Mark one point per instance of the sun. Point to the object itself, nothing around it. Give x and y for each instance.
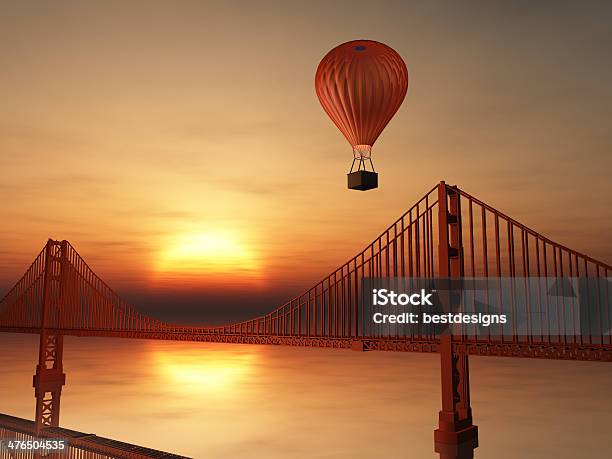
(208, 252)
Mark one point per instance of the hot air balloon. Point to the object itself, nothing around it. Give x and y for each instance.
(361, 85)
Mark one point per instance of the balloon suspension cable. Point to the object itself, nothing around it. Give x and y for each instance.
(362, 155)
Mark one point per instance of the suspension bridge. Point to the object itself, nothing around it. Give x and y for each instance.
(447, 234)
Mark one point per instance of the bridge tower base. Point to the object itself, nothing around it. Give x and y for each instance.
(48, 382)
(456, 436)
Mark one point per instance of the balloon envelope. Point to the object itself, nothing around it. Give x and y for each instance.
(361, 85)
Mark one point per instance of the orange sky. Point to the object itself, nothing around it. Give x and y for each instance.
(180, 144)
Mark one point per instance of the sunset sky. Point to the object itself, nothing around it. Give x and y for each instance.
(180, 146)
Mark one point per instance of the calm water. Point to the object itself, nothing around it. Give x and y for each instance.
(228, 401)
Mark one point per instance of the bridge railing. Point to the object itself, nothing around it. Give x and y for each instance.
(80, 299)
(496, 245)
(492, 245)
(22, 305)
(76, 445)
(330, 309)
(72, 294)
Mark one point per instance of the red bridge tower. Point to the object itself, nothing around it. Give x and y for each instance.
(456, 436)
(50, 377)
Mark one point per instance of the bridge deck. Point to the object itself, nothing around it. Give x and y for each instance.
(81, 445)
(553, 347)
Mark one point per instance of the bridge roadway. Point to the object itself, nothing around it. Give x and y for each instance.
(553, 347)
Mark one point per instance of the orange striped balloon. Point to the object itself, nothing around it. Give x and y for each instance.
(361, 85)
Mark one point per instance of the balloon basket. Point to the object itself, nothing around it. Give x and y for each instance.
(362, 180)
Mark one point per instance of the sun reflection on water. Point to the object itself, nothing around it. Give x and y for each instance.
(194, 369)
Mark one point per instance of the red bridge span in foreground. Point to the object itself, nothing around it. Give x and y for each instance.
(446, 234)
